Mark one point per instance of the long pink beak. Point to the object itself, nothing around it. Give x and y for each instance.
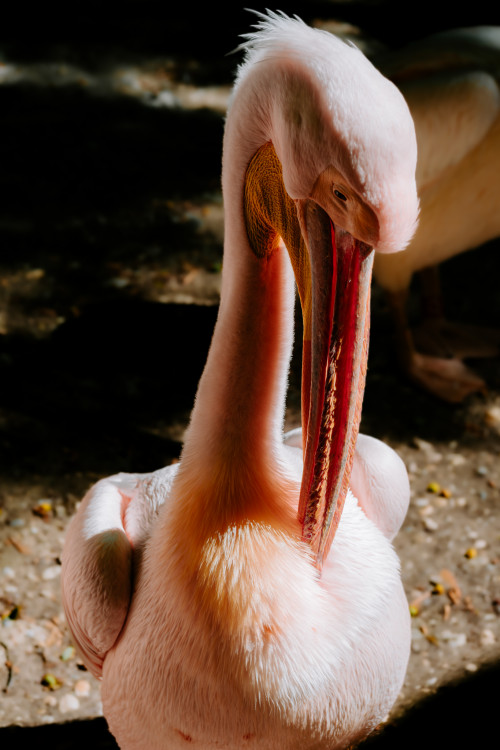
(333, 373)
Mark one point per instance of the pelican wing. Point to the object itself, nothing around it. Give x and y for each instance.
(379, 481)
(452, 114)
(450, 81)
(114, 522)
(96, 572)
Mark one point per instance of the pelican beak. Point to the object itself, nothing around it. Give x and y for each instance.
(335, 292)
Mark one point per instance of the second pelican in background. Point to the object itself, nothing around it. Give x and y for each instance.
(451, 83)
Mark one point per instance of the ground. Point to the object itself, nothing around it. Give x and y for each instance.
(111, 232)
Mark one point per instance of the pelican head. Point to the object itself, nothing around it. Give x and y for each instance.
(335, 180)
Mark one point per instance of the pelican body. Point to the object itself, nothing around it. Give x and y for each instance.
(249, 596)
(451, 82)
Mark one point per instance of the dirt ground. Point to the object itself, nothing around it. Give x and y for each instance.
(111, 230)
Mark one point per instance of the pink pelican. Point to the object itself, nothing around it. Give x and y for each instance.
(206, 594)
(451, 83)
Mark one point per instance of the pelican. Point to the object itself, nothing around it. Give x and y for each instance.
(208, 595)
(451, 83)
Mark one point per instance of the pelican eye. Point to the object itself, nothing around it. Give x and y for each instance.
(340, 195)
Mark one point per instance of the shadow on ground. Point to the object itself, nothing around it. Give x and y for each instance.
(460, 715)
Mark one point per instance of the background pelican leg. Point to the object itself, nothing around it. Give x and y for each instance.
(446, 376)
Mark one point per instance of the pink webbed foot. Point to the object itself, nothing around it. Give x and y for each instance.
(448, 379)
(431, 355)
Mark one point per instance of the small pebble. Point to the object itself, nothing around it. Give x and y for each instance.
(82, 688)
(434, 487)
(422, 502)
(69, 703)
(487, 637)
(492, 415)
(428, 449)
(430, 524)
(16, 523)
(438, 589)
(471, 667)
(51, 681)
(481, 471)
(456, 640)
(48, 594)
(68, 653)
(50, 573)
